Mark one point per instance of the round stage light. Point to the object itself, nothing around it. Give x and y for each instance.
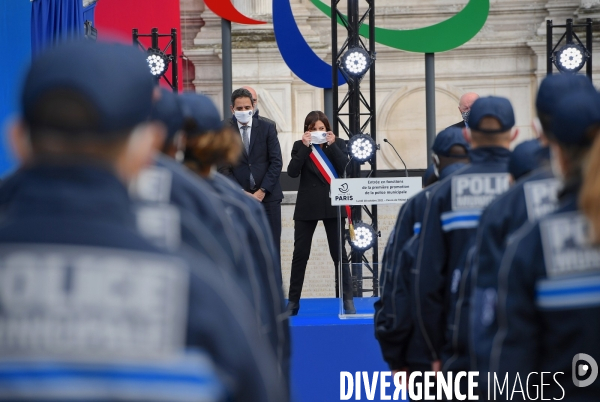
(570, 58)
(362, 147)
(356, 61)
(364, 237)
(158, 62)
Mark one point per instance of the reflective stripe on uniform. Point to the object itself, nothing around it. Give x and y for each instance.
(417, 228)
(467, 219)
(189, 378)
(568, 293)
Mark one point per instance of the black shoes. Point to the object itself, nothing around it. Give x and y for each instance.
(349, 307)
(293, 307)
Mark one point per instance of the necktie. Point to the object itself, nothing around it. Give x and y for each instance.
(246, 142)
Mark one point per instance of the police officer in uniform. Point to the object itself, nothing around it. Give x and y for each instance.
(401, 342)
(174, 206)
(210, 144)
(548, 297)
(450, 221)
(90, 310)
(534, 196)
(524, 159)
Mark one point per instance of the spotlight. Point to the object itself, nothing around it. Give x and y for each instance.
(158, 62)
(356, 62)
(362, 147)
(364, 237)
(160, 58)
(570, 58)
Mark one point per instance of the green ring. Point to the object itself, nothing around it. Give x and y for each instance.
(446, 35)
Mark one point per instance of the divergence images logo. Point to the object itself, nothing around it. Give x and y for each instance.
(584, 365)
(344, 188)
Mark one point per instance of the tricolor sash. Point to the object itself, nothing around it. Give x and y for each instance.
(328, 171)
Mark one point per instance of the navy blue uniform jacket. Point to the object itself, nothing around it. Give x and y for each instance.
(449, 224)
(252, 227)
(401, 341)
(85, 210)
(526, 201)
(220, 221)
(168, 185)
(549, 305)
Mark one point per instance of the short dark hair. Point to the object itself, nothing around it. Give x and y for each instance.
(66, 122)
(241, 93)
(63, 110)
(315, 116)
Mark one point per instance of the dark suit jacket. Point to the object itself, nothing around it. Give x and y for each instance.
(264, 160)
(313, 202)
(460, 124)
(257, 114)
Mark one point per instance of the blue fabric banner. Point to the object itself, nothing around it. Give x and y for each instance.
(15, 40)
(55, 20)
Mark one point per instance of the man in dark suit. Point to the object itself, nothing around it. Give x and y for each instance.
(464, 107)
(259, 167)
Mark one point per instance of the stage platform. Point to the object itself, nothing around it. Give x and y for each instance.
(323, 345)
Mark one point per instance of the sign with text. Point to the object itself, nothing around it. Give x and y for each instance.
(379, 190)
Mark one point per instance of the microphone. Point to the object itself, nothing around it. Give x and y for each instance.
(405, 170)
(345, 167)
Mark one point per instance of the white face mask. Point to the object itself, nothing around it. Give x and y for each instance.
(318, 137)
(243, 116)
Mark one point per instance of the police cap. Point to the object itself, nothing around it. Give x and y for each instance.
(448, 138)
(524, 158)
(575, 114)
(112, 81)
(554, 87)
(492, 106)
(200, 113)
(168, 111)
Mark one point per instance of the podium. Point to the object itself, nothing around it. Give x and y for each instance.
(368, 191)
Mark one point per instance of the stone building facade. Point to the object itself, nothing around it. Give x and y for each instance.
(506, 58)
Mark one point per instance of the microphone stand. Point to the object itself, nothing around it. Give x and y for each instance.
(405, 169)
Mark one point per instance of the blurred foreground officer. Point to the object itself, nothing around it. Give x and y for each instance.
(89, 309)
(532, 197)
(450, 221)
(210, 144)
(400, 339)
(549, 280)
(179, 210)
(524, 159)
(176, 207)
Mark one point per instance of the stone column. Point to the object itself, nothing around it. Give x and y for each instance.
(191, 20)
(589, 9)
(191, 24)
(254, 8)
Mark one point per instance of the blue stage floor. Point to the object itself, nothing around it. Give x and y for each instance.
(323, 345)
